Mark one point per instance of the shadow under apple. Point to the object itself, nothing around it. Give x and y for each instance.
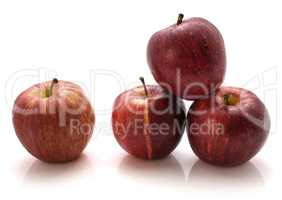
(206, 177)
(41, 172)
(164, 172)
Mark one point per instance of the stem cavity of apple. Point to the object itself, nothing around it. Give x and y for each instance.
(230, 100)
(49, 92)
(144, 85)
(179, 19)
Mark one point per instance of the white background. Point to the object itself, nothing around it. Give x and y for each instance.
(102, 46)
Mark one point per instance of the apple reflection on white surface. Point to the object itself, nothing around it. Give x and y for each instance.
(41, 173)
(206, 177)
(177, 171)
(163, 172)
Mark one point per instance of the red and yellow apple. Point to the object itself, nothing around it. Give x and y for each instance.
(229, 128)
(188, 58)
(53, 120)
(148, 122)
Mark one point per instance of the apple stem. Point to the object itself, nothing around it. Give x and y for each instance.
(50, 91)
(144, 85)
(179, 19)
(226, 99)
(230, 100)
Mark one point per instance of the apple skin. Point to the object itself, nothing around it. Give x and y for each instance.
(148, 127)
(188, 59)
(48, 126)
(228, 135)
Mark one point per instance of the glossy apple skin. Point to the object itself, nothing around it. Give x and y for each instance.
(245, 127)
(188, 59)
(57, 128)
(148, 127)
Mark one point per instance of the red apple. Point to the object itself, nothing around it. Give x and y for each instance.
(188, 58)
(148, 122)
(228, 128)
(53, 120)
